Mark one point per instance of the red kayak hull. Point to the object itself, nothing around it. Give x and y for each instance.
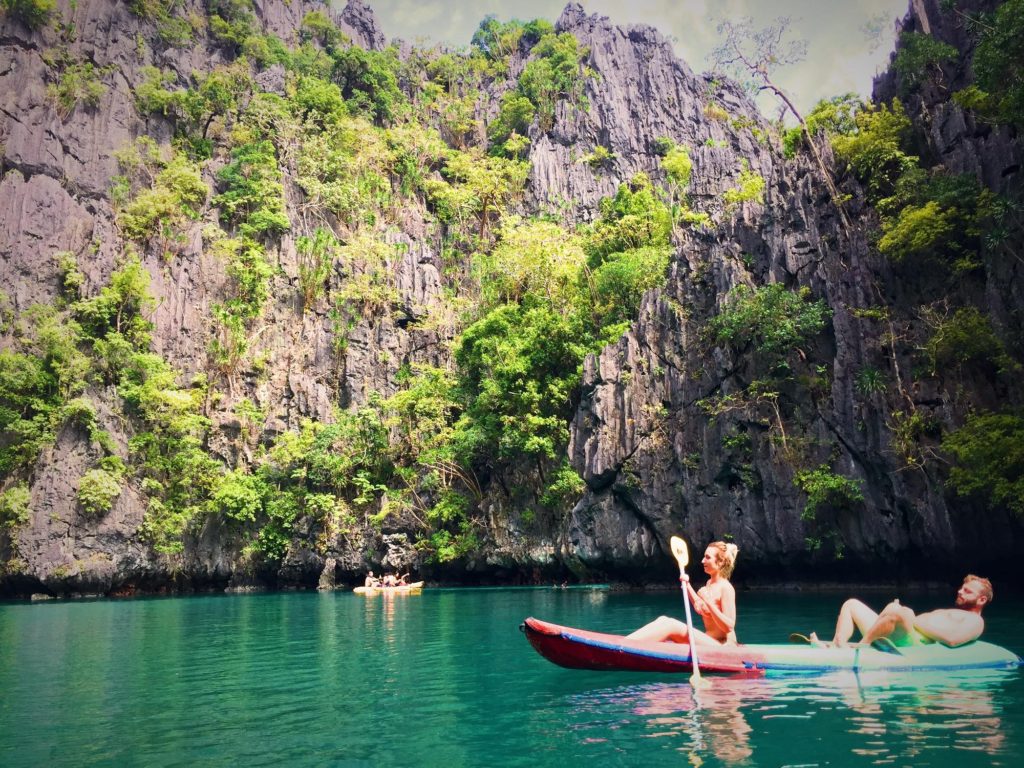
(582, 649)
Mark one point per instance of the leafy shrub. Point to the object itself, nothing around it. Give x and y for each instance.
(749, 188)
(966, 337)
(829, 117)
(662, 145)
(34, 14)
(497, 40)
(620, 281)
(989, 454)
(71, 277)
(175, 32)
(232, 21)
(771, 318)
(319, 100)
(487, 184)
(14, 506)
(42, 370)
(253, 198)
(919, 56)
(874, 151)
(515, 116)
(678, 165)
(599, 158)
(825, 488)
(520, 368)
(239, 496)
(247, 266)
(98, 490)
(553, 73)
(634, 218)
(344, 168)
(417, 151)
(149, 9)
(534, 31)
(316, 257)
(177, 196)
(26, 407)
(369, 81)
(982, 103)
(564, 487)
(368, 287)
(999, 61)
(444, 546)
(917, 231)
(217, 94)
(79, 83)
(939, 216)
(533, 259)
(153, 93)
(317, 25)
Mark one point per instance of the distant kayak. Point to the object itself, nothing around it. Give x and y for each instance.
(581, 649)
(416, 586)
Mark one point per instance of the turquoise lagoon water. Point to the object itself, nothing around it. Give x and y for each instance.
(445, 678)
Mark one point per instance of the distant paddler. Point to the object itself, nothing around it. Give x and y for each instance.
(371, 580)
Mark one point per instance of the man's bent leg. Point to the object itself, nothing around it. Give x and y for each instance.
(894, 623)
(853, 615)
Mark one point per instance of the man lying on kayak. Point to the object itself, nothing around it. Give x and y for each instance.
(949, 626)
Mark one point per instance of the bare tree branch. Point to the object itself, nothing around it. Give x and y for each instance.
(751, 55)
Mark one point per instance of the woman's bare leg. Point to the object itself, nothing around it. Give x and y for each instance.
(667, 629)
(662, 628)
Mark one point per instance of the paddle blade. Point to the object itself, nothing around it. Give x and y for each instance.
(679, 551)
(698, 681)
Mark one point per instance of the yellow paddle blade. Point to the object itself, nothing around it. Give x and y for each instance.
(679, 551)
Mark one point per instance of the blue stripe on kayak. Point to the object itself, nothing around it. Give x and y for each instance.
(783, 667)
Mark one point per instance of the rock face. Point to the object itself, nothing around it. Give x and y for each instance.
(653, 460)
(654, 463)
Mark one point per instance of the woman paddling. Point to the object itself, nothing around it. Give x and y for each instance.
(715, 602)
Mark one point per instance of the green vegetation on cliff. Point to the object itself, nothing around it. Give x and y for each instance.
(333, 161)
(998, 65)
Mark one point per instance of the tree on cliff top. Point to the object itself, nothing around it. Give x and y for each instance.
(752, 55)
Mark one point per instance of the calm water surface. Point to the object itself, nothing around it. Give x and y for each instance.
(445, 678)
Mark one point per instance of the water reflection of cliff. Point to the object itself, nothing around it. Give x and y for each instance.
(883, 718)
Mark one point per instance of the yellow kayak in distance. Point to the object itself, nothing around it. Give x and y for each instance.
(416, 586)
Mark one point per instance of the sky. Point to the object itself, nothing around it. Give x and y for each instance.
(848, 42)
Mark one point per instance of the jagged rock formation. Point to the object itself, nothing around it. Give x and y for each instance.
(653, 461)
(642, 485)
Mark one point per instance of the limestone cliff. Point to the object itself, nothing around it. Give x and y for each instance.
(667, 435)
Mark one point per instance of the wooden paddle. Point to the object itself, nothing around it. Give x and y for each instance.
(682, 556)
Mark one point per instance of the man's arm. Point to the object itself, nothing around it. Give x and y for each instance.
(950, 627)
